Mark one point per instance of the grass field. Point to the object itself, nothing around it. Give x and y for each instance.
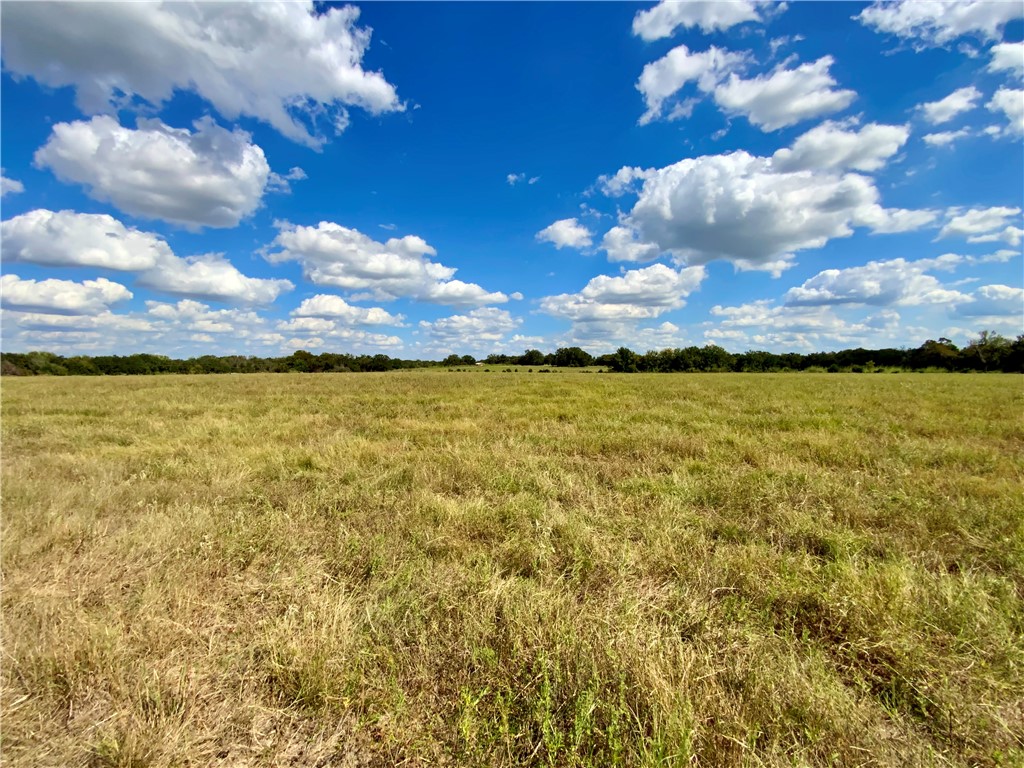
(438, 568)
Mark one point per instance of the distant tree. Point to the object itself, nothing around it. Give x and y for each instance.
(468, 360)
(987, 351)
(572, 357)
(452, 360)
(624, 361)
(531, 357)
(941, 353)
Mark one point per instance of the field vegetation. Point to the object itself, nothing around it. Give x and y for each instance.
(423, 568)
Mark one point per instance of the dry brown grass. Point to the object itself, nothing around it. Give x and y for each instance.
(506, 569)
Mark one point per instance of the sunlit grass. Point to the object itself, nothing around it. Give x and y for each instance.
(513, 569)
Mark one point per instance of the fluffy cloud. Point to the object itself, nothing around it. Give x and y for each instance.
(785, 96)
(280, 62)
(896, 282)
(944, 138)
(622, 181)
(770, 101)
(1010, 102)
(278, 182)
(664, 77)
(10, 186)
(66, 238)
(936, 22)
(481, 327)
(62, 297)
(336, 308)
(984, 225)
(959, 101)
(993, 301)
(830, 146)
(621, 245)
(211, 276)
(762, 325)
(1007, 57)
(666, 17)
(331, 254)
(741, 208)
(636, 295)
(566, 232)
(212, 177)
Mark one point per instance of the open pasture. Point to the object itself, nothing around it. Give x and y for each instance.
(436, 568)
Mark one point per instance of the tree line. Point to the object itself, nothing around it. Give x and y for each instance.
(988, 352)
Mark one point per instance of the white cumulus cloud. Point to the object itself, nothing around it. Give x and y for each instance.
(637, 294)
(831, 145)
(895, 282)
(280, 62)
(10, 186)
(331, 254)
(742, 208)
(566, 233)
(336, 308)
(486, 325)
(61, 297)
(937, 22)
(663, 78)
(784, 96)
(959, 101)
(210, 177)
(67, 238)
(667, 16)
(1010, 102)
(984, 225)
(1007, 57)
(945, 138)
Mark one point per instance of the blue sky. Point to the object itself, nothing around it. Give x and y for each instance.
(422, 178)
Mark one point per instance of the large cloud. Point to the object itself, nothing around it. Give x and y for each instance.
(663, 78)
(770, 101)
(830, 145)
(566, 233)
(896, 282)
(324, 306)
(483, 327)
(636, 295)
(61, 297)
(1007, 57)
(958, 102)
(212, 177)
(66, 238)
(784, 96)
(992, 301)
(984, 225)
(281, 62)
(763, 325)
(936, 22)
(1010, 102)
(668, 15)
(331, 254)
(742, 208)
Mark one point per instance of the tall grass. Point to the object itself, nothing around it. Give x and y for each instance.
(513, 569)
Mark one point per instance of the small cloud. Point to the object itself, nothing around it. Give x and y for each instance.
(517, 296)
(515, 178)
(388, 227)
(10, 186)
(566, 232)
(533, 180)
